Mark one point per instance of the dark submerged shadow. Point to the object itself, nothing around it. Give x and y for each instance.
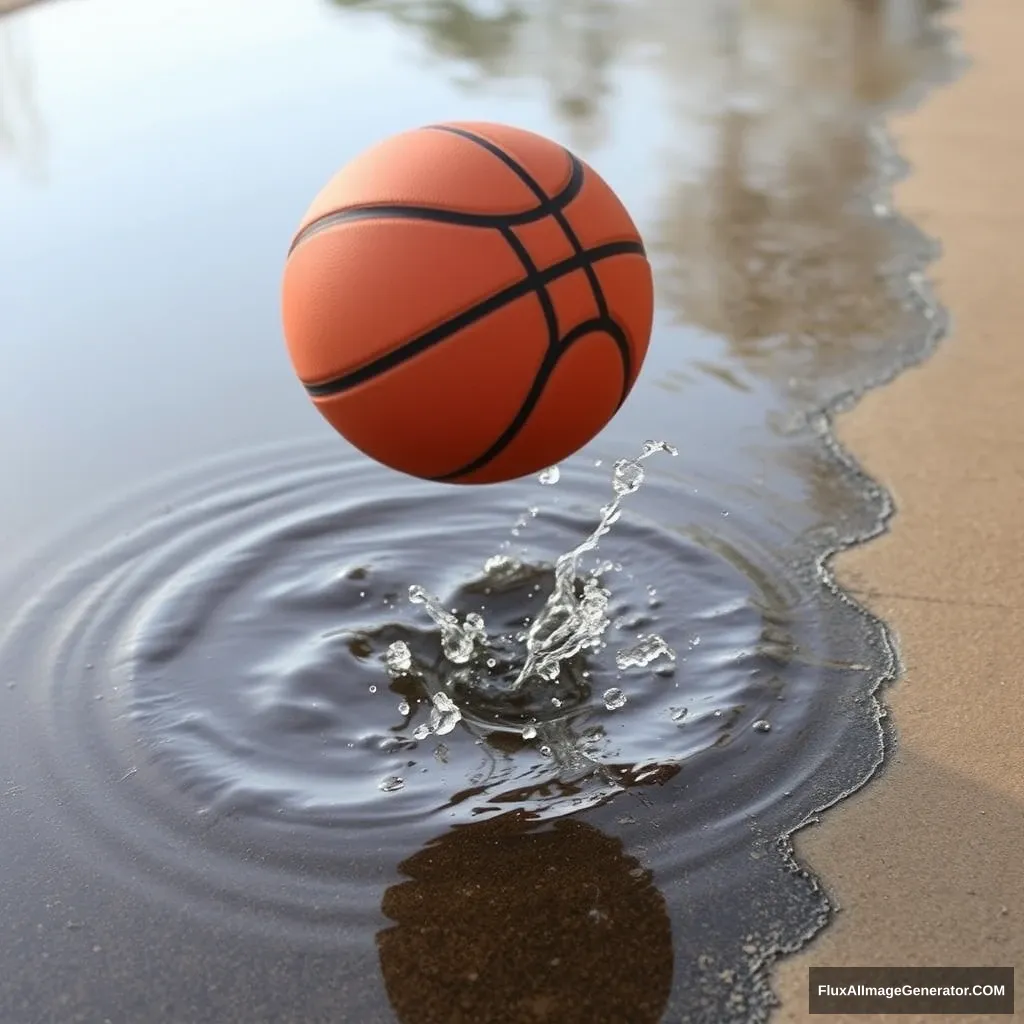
(510, 920)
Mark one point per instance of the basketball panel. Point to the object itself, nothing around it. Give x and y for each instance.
(359, 290)
(443, 407)
(628, 286)
(597, 215)
(574, 301)
(426, 168)
(578, 400)
(548, 163)
(546, 241)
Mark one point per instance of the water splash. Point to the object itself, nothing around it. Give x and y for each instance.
(458, 639)
(574, 618)
(569, 623)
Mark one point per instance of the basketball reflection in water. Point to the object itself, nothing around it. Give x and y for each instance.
(511, 920)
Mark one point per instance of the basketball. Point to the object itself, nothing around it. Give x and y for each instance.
(467, 303)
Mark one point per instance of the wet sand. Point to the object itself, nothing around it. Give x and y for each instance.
(926, 863)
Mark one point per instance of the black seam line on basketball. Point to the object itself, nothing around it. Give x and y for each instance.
(454, 324)
(617, 333)
(540, 382)
(540, 287)
(403, 211)
(600, 300)
(535, 187)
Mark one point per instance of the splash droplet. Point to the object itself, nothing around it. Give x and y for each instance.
(391, 783)
(762, 726)
(627, 477)
(643, 652)
(444, 715)
(614, 698)
(550, 476)
(529, 732)
(499, 564)
(403, 708)
(398, 658)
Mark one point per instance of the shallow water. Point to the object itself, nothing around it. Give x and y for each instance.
(202, 581)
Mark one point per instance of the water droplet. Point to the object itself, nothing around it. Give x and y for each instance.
(653, 447)
(391, 783)
(550, 476)
(614, 698)
(403, 708)
(491, 663)
(444, 715)
(598, 462)
(762, 726)
(678, 714)
(398, 657)
(529, 732)
(545, 751)
(643, 652)
(373, 689)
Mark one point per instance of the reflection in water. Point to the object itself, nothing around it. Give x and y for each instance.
(457, 32)
(508, 921)
(22, 134)
(568, 44)
(769, 245)
(762, 233)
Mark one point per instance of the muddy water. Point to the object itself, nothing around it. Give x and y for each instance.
(199, 819)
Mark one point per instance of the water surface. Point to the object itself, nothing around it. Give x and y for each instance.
(202, 580)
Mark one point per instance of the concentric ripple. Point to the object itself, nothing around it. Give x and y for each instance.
(208, 688)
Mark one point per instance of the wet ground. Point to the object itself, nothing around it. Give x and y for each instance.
(201, 580)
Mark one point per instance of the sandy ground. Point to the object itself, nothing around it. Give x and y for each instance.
(928, 862)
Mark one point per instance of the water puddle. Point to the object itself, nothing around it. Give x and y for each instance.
(283, 732)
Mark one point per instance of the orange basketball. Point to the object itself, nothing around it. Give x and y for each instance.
(467, 302)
